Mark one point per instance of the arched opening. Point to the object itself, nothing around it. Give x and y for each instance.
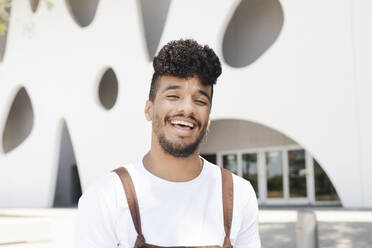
(252, 30)
(34, 4)
(4, 31)
(154, 16)
(19, 122)
(108, 89)
(68, 187)
(279, 169)
(83, 11)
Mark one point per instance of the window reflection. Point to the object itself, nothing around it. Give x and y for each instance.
(274, 173)
(210, 158)
(324, 190)
(297, 173)
(230, 162)
(250, 169)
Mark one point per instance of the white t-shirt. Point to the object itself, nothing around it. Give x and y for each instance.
(172, 213)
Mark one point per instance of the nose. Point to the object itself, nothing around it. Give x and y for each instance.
(186, 106)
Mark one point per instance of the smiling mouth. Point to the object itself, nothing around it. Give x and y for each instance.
(183, 124)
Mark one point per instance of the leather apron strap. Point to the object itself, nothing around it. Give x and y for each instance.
(228, 204)
(227, 201)
(132, 200)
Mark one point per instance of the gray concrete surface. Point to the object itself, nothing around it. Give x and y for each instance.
(337, 228)
(54, 228)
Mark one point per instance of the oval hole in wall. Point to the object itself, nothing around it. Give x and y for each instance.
(252, 30)
(108, 89)
(154, 16)
(19, 122)
(83, 11)
(34, 4)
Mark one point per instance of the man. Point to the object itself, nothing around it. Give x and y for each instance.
(172, 196)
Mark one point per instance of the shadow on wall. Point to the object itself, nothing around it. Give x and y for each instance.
(252, 30)
(241, 134)
(68, 187)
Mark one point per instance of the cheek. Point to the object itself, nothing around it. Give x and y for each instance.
(205, 116)
(159, 116)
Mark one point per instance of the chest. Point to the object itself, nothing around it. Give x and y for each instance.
(175, 217)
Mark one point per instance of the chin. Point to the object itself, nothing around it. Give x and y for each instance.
(178, 149)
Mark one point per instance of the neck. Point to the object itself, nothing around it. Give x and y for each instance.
(170, 168)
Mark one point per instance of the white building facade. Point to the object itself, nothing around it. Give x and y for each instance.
(291, 110)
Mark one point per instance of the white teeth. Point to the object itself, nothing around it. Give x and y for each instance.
(178, 122)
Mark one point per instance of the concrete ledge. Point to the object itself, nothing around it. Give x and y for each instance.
(20, 229)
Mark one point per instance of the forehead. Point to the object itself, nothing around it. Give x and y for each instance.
(191, 83)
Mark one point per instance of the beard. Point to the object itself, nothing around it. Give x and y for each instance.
(178, 149)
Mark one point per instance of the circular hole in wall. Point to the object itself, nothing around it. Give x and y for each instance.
(154, 16)
(253, 28)
(108, 89)
(83, 11)
(34, 4)
(19, 122)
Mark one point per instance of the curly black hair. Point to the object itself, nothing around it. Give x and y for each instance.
(184, 59)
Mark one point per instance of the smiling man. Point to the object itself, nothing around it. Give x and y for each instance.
(172, 197)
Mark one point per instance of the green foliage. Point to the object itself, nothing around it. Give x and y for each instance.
(49, 4)
(5, 6)
(2, 28)
(4, 15)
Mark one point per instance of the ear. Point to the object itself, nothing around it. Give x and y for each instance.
(209, 124)
(148, 110)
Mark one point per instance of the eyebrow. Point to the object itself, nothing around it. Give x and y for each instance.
(172, 87)
(205, 94)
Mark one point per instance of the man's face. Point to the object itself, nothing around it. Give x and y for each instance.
(180, 114)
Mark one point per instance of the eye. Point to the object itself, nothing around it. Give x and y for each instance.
(201, 102)
(172, 97)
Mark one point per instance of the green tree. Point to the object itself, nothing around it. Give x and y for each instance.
(5, 6)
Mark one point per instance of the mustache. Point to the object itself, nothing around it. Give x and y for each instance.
(182, 115)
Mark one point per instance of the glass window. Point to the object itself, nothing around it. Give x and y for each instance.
(274, 174)
(230, 162)
(210, 158)
(297, 173)
(250, 169)
(324, 190)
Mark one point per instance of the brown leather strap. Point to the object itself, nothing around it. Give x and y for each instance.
(228, 204)
(227, 201)
(140, 242)
(131, 195)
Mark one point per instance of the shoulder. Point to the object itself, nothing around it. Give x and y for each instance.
(244, 191)
(101, 192)
(105, 191)
(97, 213)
